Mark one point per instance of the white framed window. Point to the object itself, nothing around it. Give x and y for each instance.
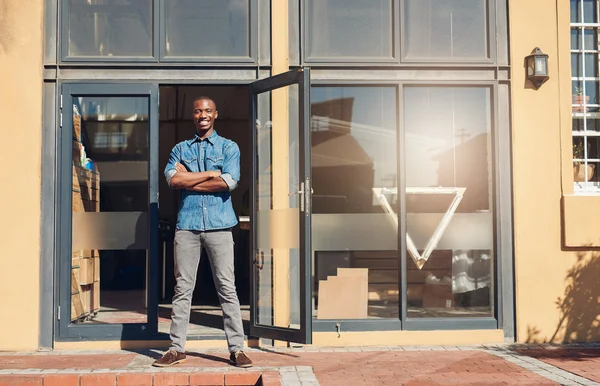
(585, 79)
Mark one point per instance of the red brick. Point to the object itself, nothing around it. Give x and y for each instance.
(21, 380)
(61, 380)
(270, 378)
(134, 379)
(241, 379)
(171, 379)
(207, 379)
(98, 380)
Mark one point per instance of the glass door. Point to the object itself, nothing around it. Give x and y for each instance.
(281, 208)
(108, 211)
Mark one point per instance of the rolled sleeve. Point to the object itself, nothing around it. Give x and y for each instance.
(174, 158)
(231, 166)
(169, 175)
(231, 183)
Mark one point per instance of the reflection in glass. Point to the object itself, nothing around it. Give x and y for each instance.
(589, 11)
(591, 65)
(449, 29)
(207, 28)
(590, 39)
(278, 207)
(576, 38)
(575, 11)
(354, 153)
(576, 65)
(349, 28)
(110, 28)
(448, 152)
(110, 202)
(586, 159)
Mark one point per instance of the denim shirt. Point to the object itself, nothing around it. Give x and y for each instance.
(206, 211)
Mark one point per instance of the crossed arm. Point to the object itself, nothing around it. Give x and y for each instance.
(205, 182)
(210, 181)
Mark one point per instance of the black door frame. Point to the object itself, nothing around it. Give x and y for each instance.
(301, 77)
(64, 329)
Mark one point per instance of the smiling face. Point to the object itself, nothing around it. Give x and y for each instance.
(205, 113)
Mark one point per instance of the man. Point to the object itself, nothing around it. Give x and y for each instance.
(206, 169)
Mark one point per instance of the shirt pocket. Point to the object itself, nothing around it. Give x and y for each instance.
(214, 162)
(190, 163)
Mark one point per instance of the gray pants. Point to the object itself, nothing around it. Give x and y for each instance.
(219, 247)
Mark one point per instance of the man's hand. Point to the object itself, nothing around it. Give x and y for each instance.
(180, 168)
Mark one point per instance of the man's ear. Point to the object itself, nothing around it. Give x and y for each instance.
(216, 114)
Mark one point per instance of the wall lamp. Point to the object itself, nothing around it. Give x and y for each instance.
(537, 67)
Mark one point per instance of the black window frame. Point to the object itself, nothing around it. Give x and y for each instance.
(367, 60)
(260, 31)
(502, 317)
(490, 32)
(497, 42)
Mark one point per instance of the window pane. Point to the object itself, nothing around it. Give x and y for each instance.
(575, 38)
(110, 28)
(109, 216)
(455, 29)
(591, 91)
(354, 240)
(575, 14)
(576, 66)
(590, 39)
(589, 11)
(207, 28)
(349, 28)
(449, 201)
(591, 65)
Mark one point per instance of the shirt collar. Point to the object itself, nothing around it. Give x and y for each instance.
(211, 138)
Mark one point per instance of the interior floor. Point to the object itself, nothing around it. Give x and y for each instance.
(125, 307)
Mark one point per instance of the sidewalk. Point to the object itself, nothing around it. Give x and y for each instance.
(448, 365)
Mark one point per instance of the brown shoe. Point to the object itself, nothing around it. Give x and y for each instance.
(240, 359)
(170, 358)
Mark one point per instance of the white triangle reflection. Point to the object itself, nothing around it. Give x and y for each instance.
(421, 258)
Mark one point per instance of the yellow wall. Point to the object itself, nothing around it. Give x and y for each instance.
(557, 289)
(21, 115)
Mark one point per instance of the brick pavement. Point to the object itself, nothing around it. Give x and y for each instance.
(498, 365)
(584, 362)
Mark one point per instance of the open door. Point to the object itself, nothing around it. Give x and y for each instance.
(107, 246)
(281, 208)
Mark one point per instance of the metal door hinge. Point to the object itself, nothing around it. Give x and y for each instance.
(60, 120)
(58, 312)
(61, 101)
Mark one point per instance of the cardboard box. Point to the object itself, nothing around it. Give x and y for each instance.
(344, 296)
(438, 296)
(96, 269)
(86, 271)
(95, 298)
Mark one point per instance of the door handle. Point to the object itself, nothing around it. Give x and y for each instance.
(300, 192)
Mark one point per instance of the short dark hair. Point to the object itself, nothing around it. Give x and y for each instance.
(205, 98)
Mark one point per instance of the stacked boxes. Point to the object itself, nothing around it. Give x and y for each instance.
(85, 263)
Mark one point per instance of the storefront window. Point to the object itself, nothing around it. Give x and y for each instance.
(349, 29)
(446, 29)
(355, 246)
(585, 99)
(208, 28)
(109, 212)
(449, 206)
(109, 28)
